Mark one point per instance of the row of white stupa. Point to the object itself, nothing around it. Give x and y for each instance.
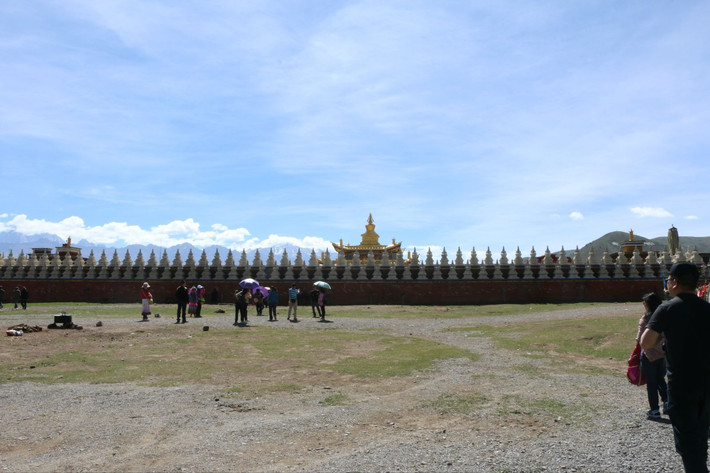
(503, 268)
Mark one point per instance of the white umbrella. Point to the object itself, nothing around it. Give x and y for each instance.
(249, 283)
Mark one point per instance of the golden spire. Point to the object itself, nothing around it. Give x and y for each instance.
(370, 238)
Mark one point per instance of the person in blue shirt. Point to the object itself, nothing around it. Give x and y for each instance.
(293, 293)
(272, 300)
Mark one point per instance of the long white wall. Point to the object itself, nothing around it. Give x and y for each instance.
(561, 265)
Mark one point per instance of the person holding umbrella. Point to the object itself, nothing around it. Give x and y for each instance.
(322, 297)
(258, 298)
(243, 297)
(315, 305)
(322, 301)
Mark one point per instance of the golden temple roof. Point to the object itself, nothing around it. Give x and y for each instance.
(370, 242)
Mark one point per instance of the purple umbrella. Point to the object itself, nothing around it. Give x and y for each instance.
(249, 283)
(263, 290)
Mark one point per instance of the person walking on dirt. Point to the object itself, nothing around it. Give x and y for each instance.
(16, 296)
(653, 361)
(24, 296)
(258, 299)
(146, 301)
(192, 301)
(322, 302)
(182, 300)
(243, 297)
(315, 307)
(201, 291)
(293, 302)
(272, 300)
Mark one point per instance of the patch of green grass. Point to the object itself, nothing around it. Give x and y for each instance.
(448, 312)
(338, 399)
(108, 311)
(166, 356)
(401, 356)
(530, 370)
(464, 404)
(262, 389)
(602, 337)
(541, 407)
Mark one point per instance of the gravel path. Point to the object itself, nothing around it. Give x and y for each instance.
(530, 418)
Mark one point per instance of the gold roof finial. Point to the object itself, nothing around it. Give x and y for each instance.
(370, 238)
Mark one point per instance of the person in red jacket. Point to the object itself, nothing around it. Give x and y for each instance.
(146, 299)
(201, 291)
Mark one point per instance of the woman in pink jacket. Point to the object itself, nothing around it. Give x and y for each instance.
(653, 361)
(193, 296)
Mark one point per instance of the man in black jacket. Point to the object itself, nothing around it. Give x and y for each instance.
(24, 295)
(182, 300)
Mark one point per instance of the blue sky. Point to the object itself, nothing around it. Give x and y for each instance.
(455, 123)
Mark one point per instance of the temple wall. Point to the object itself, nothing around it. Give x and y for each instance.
(426, 292)
(366, 281)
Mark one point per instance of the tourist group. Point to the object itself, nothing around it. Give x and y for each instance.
(249, 293)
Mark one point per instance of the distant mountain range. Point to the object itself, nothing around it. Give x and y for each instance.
(16, 242)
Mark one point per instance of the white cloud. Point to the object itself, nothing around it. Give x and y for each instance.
(576, 216)
(656, 212)
(166, 235)
(692, 217)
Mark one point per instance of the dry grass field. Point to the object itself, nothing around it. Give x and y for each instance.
(377, 388)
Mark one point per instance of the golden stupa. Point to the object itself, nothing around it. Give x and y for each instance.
(628, 246)
(370, 242)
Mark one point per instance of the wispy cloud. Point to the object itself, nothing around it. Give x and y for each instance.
(656, 212)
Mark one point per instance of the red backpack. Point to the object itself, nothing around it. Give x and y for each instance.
(633, 372)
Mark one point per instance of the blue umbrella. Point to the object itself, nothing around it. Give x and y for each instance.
(322, 284)
(249, 283)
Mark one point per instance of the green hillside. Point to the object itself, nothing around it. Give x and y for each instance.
(611, 241)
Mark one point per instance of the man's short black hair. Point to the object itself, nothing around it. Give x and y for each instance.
(686, 274)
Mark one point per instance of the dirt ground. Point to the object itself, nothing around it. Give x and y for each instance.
(503, 412)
